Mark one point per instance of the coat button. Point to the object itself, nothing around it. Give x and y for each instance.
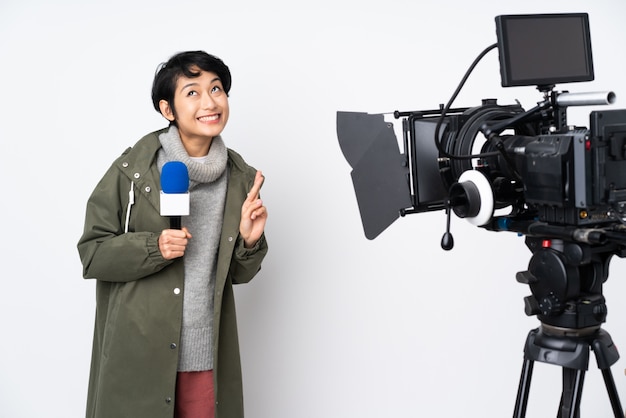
(173, 346)
(136, 175)
(124, 164)
(176, 291)
(230, 239)
(147, 189)
(168, 400)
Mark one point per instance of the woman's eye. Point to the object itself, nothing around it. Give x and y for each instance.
(192, 93)
(215, 89)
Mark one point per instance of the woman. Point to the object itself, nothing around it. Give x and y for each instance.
(165, 338)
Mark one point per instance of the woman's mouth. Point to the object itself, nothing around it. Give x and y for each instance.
(209, 118)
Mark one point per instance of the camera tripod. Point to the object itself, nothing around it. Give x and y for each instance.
(572, 353)
(566, 282)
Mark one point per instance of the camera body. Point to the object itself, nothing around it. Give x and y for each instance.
(542, 168)
(575, 177)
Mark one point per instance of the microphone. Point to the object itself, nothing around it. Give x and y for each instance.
(174, 192)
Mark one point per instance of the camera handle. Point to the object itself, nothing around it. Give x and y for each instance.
(559, 101)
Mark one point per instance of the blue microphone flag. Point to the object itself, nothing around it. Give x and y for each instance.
(174, 177)
(174, 198)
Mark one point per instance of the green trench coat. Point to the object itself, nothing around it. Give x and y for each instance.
(139, 294)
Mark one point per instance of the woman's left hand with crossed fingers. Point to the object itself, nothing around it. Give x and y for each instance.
(253, 214)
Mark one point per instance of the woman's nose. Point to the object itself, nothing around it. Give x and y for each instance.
(208, 102)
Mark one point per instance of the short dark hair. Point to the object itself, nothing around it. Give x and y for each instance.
(185, 63)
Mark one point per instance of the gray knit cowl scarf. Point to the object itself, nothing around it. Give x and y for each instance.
(206, 172)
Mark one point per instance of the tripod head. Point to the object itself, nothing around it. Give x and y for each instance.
(565, 279)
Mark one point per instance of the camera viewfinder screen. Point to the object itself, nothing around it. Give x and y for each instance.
(544, 50)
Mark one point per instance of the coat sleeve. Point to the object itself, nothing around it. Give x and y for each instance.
(246, 262)
(106, 252)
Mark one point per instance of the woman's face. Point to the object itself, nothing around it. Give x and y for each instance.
(201, 107)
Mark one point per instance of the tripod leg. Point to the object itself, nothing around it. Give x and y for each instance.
(612, 390)
(573, 380)
(524, 388)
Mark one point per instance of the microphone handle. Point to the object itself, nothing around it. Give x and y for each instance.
(175, 222)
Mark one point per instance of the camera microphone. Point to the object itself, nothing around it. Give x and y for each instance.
(174, 198)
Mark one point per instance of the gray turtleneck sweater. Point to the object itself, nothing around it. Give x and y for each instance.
(208, 179)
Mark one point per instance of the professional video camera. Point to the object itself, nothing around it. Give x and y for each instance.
(504, 168)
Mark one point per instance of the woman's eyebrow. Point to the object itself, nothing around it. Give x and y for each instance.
(188, 85)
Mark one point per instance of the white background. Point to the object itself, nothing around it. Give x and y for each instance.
(335, 325)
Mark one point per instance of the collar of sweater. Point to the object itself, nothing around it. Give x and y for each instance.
(199, 172)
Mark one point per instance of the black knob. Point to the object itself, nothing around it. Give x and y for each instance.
(447, 241)
(526, 277)
(530, 306)
(550, 305)
(600, 311)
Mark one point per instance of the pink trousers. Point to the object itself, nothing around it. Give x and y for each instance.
(195, 395)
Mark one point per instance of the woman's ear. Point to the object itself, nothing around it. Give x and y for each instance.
(166, 110)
